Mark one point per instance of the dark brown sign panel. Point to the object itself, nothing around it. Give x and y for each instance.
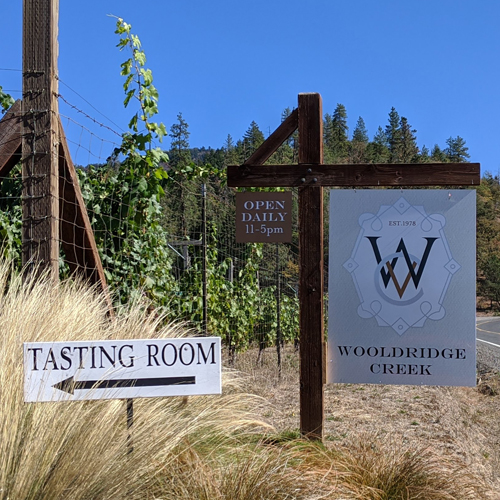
(264, 217)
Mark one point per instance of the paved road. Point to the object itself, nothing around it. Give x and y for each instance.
(488, 331)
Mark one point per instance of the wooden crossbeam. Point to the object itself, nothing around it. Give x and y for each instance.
(275, 140)
(10, 139)
(358, 175)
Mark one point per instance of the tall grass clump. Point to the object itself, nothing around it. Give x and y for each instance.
(78, 450)
(370, 469)
(243, 473)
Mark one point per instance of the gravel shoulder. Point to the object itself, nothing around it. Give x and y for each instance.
(488, 358)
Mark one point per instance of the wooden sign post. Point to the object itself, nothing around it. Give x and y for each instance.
(310, 175)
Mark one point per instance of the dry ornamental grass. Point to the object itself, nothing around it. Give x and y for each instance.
(420, 438)
(383, 443)
(77, 450)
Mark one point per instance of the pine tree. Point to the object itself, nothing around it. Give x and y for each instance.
(401, 139)
(457, 151)
(214, 157)
(337, 139)
(180, 156)
(407, 149)
(393, 135)
(359, 142)
(230, 153)
(424, 156)
(438, 155)
(240, 153)
(229, 143)
(360, 134)
(252, 139)
(179, 146)
(327, 131)
(377, 151)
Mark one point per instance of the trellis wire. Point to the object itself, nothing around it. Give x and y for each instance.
(236, 274)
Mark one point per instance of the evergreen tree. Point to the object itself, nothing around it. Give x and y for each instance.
(359, 142)
(214, 157)
(457, 151)
(407, 149)
(337, 140)
(490, 284)
(285, 114)
(230, 153)
(424, 156)
(393, 135)
(240, 153)
(438, 155)
(327, 132)
(252, 139)
(179, 155)
(360, 134)
(377, 151)
(488, 240)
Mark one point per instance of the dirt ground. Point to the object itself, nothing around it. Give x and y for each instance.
(450, 420)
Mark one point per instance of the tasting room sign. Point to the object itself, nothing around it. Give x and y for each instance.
(263, 217)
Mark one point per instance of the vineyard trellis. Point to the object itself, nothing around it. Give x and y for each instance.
(163, 263)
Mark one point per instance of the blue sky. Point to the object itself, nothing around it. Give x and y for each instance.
(225, 63)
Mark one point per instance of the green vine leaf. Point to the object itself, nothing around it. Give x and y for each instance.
(6, 100)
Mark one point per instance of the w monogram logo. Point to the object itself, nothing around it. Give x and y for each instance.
(388, 268)
(401, 262)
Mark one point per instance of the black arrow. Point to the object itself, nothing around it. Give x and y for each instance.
(70, 385)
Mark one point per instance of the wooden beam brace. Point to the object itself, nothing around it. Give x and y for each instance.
(311, 309)
(11, 129)
(275, 140)
(77, 237)
(356, 175)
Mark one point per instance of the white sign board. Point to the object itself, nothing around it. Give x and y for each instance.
(402, 283)
(119, 369)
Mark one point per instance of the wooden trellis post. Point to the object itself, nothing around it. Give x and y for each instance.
(54, 212)
(40, 138)
(310, 175)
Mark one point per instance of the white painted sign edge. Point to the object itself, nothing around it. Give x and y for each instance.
(122, 369)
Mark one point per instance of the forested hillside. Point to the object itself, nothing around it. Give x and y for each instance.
(488, 242)
(396, 142)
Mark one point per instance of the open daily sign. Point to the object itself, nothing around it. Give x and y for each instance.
(121, 369)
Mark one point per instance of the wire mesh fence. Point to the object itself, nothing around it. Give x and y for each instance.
(170, 241)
